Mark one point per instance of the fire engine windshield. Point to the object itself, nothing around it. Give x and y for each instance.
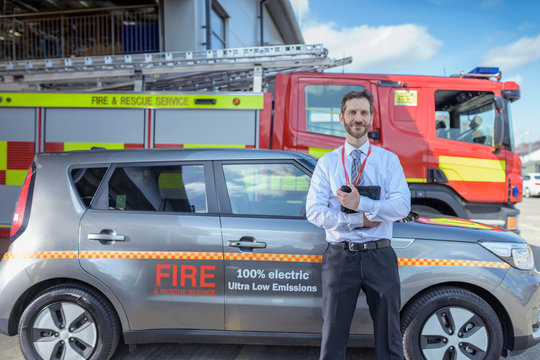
(467, 116)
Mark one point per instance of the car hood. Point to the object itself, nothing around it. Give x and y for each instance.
(452, 229)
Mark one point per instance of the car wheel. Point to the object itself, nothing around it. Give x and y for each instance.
(527, 193)
(451, 323)
(68, 322)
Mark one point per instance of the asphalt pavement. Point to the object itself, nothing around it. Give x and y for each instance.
(530, 231)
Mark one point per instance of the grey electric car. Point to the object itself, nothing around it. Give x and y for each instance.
(213, 246)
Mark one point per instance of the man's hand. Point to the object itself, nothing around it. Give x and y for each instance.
(350, 200)
(368, 223)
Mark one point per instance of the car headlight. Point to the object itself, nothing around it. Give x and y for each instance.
(519, 255)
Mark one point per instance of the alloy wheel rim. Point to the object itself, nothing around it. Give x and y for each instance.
(454, 333)
(64, 330)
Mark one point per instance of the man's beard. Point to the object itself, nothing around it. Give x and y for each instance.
(357, 133)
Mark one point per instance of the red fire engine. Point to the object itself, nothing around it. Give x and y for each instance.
(453, 135)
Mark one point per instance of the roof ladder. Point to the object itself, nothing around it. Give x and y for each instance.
(156, 69)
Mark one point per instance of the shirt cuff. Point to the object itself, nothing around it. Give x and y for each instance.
(368, 205)
(356, 220)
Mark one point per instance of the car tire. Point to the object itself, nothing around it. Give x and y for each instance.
(69, 321)
(451, 323)
(527, 193)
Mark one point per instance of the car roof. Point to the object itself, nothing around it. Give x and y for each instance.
(144, 155)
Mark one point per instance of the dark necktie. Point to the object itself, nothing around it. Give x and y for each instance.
(356, 154)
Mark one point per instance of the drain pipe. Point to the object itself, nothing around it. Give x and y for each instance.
(208, 29)
(261, 12)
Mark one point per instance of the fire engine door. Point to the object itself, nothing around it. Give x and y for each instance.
(462, 145)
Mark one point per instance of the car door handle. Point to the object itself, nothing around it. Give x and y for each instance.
(106, 237)
(253, 245)
(247, 242)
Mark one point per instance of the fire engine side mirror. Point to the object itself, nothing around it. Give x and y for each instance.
(498, 132)
(498, 127)
(499, 103)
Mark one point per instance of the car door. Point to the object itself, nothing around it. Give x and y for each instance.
(273, 255)
(152, 236)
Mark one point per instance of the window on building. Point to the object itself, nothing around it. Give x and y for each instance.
(266, 189)
(467, 116)
(218, 22)
(158, 188)
(323, 105)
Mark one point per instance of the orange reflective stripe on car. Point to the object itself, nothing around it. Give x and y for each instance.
(175, 255)
(41, 255)
(195, 255)
(274, 257)
(450, 262)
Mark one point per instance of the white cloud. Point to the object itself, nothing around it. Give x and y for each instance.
(515, 55)
(379, 49)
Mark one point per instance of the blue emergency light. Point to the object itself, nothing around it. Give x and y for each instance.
(483, 70)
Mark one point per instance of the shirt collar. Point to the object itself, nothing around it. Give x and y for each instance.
(349, 148)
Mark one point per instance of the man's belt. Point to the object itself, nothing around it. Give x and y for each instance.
(358, 246)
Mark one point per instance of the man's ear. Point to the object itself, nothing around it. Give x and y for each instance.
(341, 119)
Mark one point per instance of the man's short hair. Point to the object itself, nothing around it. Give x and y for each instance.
(364, 93)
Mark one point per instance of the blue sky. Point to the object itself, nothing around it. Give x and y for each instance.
(435, 37)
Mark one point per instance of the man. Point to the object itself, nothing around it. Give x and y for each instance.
(359, 255)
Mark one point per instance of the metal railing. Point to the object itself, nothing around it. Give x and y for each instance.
(117, 31)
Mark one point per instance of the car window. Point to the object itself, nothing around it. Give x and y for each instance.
(526, 177)
(537, 177)
(158, 188)
(86, 181)
(266, 189)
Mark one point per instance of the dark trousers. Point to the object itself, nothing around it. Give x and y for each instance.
(344, 273)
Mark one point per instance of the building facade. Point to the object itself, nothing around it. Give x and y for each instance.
(32, 29)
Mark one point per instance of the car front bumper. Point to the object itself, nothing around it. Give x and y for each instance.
(520, 295)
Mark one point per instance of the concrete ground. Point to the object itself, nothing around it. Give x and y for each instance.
(530, 231)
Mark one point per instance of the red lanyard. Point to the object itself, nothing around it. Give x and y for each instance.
(361, 168)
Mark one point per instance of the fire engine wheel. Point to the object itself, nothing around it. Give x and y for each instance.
(451, 323)
(424, 210)
(68, 322)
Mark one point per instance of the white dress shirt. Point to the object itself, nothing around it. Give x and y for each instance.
(382, 168)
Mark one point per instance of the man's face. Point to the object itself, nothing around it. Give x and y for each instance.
(357, 117)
